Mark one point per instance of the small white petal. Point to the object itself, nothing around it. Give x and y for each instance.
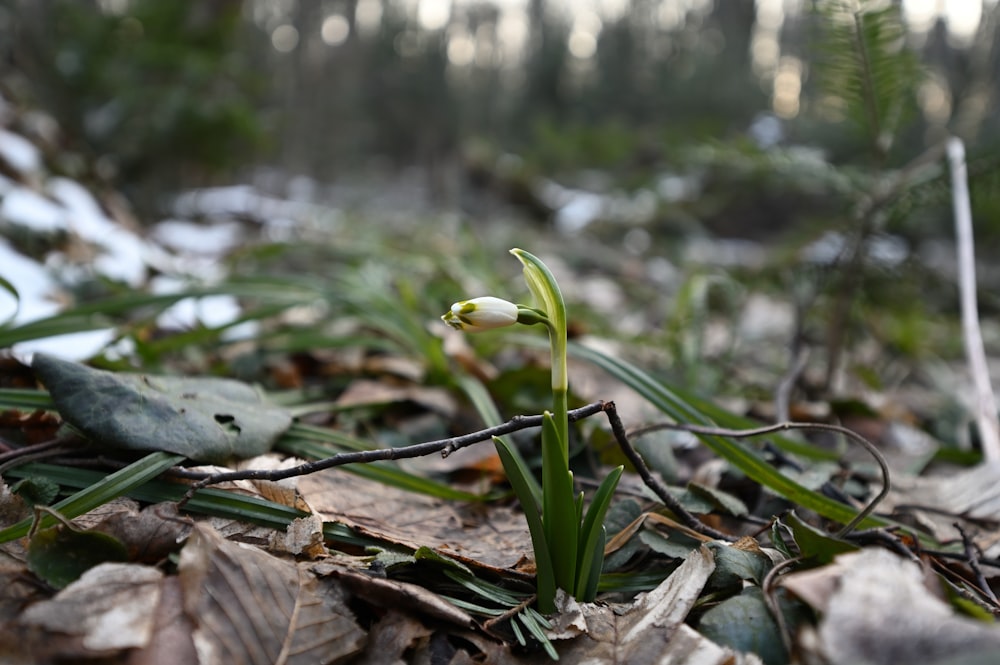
(482, 313)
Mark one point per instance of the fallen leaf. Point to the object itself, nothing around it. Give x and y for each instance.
(365, 392)
(651, 631)
(60, 555)
(303, 536)
(496, 539)
(877, 610)
(248, 606)
(390, 594)
(743, 622)
(171, 641)
(109, 609)
(970, 493)
(205, 419)
(151, 534)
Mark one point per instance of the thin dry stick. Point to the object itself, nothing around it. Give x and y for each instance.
(770, 593)
(986, 408)
(972, 558)
(443, 446)
(686, 518)
(771, 429)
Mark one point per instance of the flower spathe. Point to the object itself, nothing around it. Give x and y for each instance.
(483, 313)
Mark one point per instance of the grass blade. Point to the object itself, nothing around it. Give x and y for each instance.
(109, 487)
(562, 527)
(546, 581)
(591, 535)
(743, 458)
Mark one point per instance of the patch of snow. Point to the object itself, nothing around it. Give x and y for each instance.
(84, 216)
(238, 201)
(582, 210)
(34, 285)
(6, 185)
(74, 346)
(19, 152)
(209, 311)
(191, 238)
(24, 207)
(125, 258)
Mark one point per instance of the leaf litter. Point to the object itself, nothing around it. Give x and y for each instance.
(221, 589)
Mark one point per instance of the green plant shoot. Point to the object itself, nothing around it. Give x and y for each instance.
(568, 543)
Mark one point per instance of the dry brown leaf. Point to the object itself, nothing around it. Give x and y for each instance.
(171, 641)
(150, 534)
(365, 392)
(877, 610)
(251, 607)
(394, 594)
(973, 493)
(395, 635)
(282, 491)
(303, 536)
(652, 630)
(497, 538)
(109, 609)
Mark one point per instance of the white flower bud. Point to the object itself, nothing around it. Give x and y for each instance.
(481, 314)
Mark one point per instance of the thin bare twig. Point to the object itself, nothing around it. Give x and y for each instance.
(986, 406)
(972, 558)
(780, 427)
(685, 517)
(783, 394)
(443, 446)
(62, 444)
(770, 594)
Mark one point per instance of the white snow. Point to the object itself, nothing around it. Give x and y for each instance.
(19, 152)
(24, 207)
(191, 238)
(34, 285)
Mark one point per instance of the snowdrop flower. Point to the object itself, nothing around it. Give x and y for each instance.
(483, 313)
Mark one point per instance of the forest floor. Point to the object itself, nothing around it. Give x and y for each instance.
(253, 331)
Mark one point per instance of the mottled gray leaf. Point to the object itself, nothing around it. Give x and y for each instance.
(745, 624)
(204, 419)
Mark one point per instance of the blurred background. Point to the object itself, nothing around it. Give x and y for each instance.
(448, 103)
(721, 185)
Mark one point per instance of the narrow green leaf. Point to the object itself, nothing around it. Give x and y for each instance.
(740, 456)
(537, 631)
(480, 398)
(12, 290)
(18, 398)
(483, 589)
(517, 633)
(590, 534)
(112, 486)
(559, 515)
(815, 544)
(214, 502)
(546, 581)
(593, 576)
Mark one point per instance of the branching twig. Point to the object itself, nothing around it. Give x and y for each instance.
(986, 407)
(771, 429)
(972, 558)
(651, 481)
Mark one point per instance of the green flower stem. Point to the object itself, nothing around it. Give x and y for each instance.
(544, 287)
(568, 542)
